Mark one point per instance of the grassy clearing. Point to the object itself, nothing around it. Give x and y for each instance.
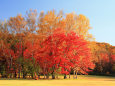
(83, 80)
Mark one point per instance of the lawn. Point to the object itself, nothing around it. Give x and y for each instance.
(83, 80)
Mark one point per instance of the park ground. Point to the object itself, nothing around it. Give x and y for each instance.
(83, 80)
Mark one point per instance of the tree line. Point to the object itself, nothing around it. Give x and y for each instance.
(51, 44)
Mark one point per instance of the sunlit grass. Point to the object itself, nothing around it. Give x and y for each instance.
(83, 80)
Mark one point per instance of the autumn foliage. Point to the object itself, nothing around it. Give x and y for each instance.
(51, 44)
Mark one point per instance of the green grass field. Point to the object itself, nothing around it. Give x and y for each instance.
(83, 80)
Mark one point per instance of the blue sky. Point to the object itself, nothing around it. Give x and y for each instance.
(101, 13)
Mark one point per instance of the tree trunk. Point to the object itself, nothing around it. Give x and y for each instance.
(10, 65)
(44, 76)
(65, 76)
(47, 76)
(73, 74)
(10, 74)
(32, 75)
(24, 75)
(76, 75)
(69, 75)
(53, 76)
(57, 76)
(19, 73)
(38, 76)
(15, 74)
